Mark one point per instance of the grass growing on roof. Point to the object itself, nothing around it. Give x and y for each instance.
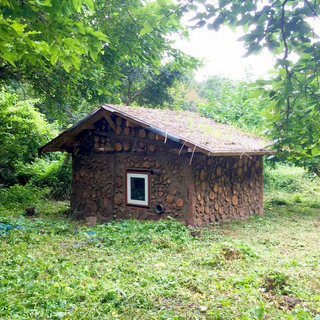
(197, 129)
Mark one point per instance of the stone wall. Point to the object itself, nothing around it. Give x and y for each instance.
(227, 187)
(92, 185)
(222, 187)
(99, 169)
(168, 188)
(98, 187)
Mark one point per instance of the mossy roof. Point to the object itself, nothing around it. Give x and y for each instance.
(191, 129)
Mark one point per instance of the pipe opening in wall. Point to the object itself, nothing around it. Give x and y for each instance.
(155, 171)
(159, 208)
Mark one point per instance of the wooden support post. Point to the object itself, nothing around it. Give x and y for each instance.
(191, 194)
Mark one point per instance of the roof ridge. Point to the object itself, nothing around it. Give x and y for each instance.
(185, 127)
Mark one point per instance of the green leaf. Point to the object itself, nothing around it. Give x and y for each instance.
(8, 57)
(101, 36)
(81, 28)
(146, 29)
(315, 152)
(89, 4)
(77, 5)
(93, 54)
(162, 3)
(65, 66)
(17, 26)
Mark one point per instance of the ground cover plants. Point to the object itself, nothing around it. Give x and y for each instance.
(53, 267)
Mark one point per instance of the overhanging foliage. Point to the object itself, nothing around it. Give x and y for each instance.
(288, 29)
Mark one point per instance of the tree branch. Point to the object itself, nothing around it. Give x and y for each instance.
(138, 93)
(317, 171)
(164, 17)
(128, 94)
(312, 9)
(176, 11)
(314, 51)
(282, 21)
(285, 54)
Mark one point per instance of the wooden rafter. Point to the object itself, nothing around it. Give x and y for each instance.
(111, 123)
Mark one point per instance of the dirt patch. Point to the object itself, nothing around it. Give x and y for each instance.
(289, 302)
(284, 301)
(230, 253)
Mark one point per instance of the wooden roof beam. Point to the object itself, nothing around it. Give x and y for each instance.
(106, 114)
(84, 126)
(130, 124)
(96, 117)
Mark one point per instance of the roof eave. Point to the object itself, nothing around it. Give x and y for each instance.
(85, 123)
(59, 143)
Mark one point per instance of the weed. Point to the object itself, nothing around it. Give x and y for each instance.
(52, 267)
(276, 281)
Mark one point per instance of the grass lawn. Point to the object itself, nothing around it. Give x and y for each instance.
(261, 268)
(51, 268)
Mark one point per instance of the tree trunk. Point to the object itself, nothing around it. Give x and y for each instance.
(66, 159)
(317, 171)
(129, 93)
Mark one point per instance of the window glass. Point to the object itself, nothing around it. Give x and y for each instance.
(138, 189)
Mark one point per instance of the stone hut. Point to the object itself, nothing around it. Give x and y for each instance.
(148, 164)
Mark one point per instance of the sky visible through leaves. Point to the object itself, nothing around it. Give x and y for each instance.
(223, 54)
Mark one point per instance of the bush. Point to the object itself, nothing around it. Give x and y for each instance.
(235, 104)
(288, 185)
(283, 178)
(20, 196)
(23, 131)
(55, 175)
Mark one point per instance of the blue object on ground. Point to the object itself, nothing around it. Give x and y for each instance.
(4, 228)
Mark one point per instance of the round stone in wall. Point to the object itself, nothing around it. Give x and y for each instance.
(234, 200)
(118, 198)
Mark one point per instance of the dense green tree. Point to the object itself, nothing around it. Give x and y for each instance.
(42, 41)
(23, 130)
(34, 32)
(133, 60)
(235, 103)
(286, 28)
(213, 84)
(147, 88)
(72, 52)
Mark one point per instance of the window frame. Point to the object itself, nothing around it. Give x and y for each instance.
(137, 203)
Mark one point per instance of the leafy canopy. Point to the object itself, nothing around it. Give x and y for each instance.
(39, 32)
(287, 29)
(147, 88)
(233, 102)
(72, 52)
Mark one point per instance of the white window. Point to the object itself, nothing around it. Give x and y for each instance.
(138, 189)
